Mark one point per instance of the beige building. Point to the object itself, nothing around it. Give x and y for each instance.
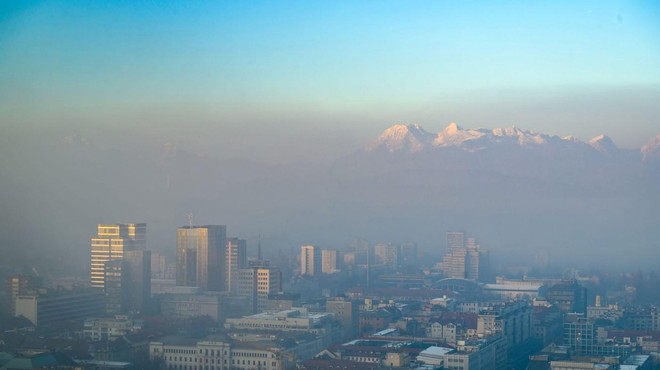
(310, 260)
(329, 261)
(257, 283)
(235, 259)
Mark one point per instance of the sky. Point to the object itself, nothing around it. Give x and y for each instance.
(247, 79)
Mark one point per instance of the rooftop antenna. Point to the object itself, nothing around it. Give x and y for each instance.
(190, 220)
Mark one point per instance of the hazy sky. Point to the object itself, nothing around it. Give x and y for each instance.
(328, 76)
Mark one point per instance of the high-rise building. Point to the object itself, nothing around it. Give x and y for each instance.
(200, 256)
(465, 260)
(20, 285)
(110, 243)
(310, 260)
(136, 273)
(388, 255)
(347, 312)
(569, 296)
(257, 283)
(454, 263)
(455, 239)
(236, 258)
(329, 261)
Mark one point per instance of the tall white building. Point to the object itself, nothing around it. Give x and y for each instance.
(236, 258)
(310, 260)
(110, 243)
(329, 261)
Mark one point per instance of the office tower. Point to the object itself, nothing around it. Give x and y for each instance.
(465, 260)
(477, 262)
(110, 243)
(310, 260)
(347, 312)
(569, 296)
(158, 265)
(136, 275)
(328, 261)
(200, 257)
(454, 263)
(236, 258)
(257, 283)
(409, 256)
(114, 287)
(455, 239)
(388, 255)
(21, 285)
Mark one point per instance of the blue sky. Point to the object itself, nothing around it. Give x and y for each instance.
(332, 69)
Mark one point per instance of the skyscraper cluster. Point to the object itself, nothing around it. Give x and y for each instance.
(464, 258)
(121, 266)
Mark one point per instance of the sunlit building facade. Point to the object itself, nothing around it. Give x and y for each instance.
(200, 256)
(110, 243)
(310, 260)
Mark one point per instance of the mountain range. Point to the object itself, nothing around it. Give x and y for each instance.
(413, 138)
(517, 191)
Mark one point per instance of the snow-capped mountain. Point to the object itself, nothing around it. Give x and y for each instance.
(410, 138)
(413, 138)
(603, 144)
(651, 150)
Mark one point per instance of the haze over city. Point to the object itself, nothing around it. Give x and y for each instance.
(418, 185)
(105, 104)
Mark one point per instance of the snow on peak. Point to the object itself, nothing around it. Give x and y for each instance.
(651, 150)
(603, 144)
(412, 138)
(452, 129)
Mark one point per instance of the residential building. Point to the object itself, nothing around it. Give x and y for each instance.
(329, 261)
(310, 260)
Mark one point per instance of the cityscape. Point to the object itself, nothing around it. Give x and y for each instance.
(217, 305)
(347, 185)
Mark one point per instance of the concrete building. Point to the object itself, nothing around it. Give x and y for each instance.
(257, 283)
(511, 320)
(53, 307)
(569, 296)
(110, 328)
(110, 243)
(128, 282)
(329, 258)
(222, 353)
(455, 239)
(310, 260)
(388, 255)
(347, 312)
(297, 319)
(236, 258)
(468, 261)
(191, 305)
(201, 252)
(20, 285)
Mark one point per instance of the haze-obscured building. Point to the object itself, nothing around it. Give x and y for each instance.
(201, 252)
